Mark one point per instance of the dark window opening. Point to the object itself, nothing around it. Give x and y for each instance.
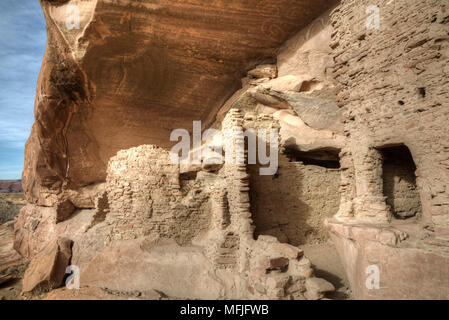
(187, 181)
(399, 182)
(327, 158)
(422, 92)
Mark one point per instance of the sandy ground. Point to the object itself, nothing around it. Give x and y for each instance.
(327, 265)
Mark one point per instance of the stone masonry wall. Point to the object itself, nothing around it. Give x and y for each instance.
(393, 90)
(145, 198)
(293, 205)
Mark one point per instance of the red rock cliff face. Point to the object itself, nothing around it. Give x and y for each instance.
(135, 70)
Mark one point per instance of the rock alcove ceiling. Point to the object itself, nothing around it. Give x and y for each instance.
(136, 70)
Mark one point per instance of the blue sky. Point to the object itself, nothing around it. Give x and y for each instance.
(22, 46)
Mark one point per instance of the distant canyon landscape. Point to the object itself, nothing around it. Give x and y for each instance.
(11, 199)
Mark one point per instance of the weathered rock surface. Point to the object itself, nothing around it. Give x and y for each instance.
(36, 227)
(180, 272)
(47, 269)
(412, 269)
(33, 229)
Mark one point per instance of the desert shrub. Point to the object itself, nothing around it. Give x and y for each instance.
(10, 205)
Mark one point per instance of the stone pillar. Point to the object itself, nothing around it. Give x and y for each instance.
(237, 180)
(370, 203)
(347, 186)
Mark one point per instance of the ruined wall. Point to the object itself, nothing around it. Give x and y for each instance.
(268, 269)
(298, 95)
(145, 198)
(393, 91)
(391, 63)
(293, 205)
(146, 202)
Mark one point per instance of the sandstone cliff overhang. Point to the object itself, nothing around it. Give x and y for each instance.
(132, 71)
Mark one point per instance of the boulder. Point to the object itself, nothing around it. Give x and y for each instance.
(279, 263)
(47, 269)
(33, 229)
(287, 250)
(317, 287)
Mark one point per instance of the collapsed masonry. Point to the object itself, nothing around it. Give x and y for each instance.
(362, 158)
(189, 227)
